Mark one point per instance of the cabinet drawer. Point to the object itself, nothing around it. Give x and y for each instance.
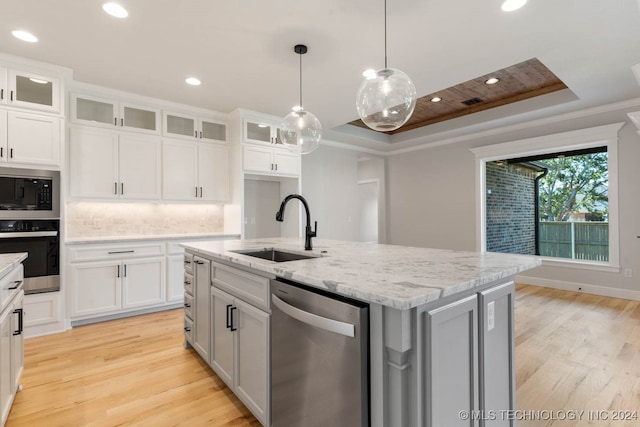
(188, 330)
(100, 252)
(188, 305)
(249, 287)
(188, 283)
(188, 263)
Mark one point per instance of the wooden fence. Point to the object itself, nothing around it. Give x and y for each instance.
(575, 240)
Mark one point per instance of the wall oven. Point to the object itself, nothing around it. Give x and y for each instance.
(30, 222)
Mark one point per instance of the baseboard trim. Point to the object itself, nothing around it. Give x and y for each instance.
(580, 287)
(124, 314)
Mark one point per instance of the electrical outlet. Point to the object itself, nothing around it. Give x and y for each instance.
(627, 272)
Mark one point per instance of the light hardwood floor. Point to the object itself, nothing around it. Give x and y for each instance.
(573, 352)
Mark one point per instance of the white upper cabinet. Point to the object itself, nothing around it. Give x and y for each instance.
(32, 139)
(262, 131)
(268, 161)
(194, 171)
(29, 90)
(110, 113)
(186, 126)
(107, 164)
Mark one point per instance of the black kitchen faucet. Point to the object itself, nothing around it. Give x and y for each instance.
(308, 233)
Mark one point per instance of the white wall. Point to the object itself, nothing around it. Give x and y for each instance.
(431, 201)
(329, 183)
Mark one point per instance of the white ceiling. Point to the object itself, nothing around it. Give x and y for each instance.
(243, 50)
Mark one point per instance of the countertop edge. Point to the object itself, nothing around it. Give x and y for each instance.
(144, 237)
(437, 293)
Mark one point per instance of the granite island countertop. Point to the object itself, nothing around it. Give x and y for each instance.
(395, 276)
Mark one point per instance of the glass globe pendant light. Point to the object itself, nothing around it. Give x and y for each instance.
(301, 131)
(387, 97)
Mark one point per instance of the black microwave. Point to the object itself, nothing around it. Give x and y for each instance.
(29, 193)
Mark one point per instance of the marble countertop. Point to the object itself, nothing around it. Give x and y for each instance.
(138, 237)
(395, 276)
(7, 263)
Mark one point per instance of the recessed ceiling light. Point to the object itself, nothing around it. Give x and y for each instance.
(492, 81)
(193, 81)
(436, 99)
(24, 36)
(369, 73)
(114, 9)
(511, 5)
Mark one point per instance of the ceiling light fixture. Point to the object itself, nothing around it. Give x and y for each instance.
(25, 36)
(436, 99)
(115, 10)
(511, 5)
(301, 130)
(384, 91)
(492, 81)
(193, 81)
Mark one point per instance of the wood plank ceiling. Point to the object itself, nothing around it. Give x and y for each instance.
(518, 82)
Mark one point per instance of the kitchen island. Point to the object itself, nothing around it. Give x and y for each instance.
(11, 321)
(441, 322)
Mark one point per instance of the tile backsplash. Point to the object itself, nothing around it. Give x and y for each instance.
(106, 219)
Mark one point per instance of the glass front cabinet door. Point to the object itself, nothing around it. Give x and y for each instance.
(32, 91)
(187, 126)
(261, 131)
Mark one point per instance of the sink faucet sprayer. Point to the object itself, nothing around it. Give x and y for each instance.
(308, 233)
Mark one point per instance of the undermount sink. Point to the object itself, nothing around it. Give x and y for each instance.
(275, 255)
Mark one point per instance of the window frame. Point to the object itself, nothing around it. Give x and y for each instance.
(599, 136)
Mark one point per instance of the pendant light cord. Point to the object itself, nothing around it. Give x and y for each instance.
(301, 82)
(385, 34)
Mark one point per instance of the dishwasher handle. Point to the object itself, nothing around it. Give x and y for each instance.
(342, 328)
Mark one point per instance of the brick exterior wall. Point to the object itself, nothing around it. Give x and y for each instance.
(510, 203)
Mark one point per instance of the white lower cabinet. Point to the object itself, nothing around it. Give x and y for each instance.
(109, 279)
(111, 286)
(175, 277)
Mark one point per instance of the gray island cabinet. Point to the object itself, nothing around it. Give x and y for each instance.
(440, 323)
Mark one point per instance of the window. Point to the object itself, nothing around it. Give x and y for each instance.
(529, 158)
(554, 205)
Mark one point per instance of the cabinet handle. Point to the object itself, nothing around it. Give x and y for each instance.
(200, 191)
(11, 96)
(122, 122)
(186, 282)
(115, 121)
(195, 133)
(187, 262)
(200, 134)
(118, 274)
(20, 313)
(16, 285)
(122, 188)
(187, 329)
(196, 191)
(125, 270)
(186, 305)
(121, 252)
(228, 322)
(1, 93)
(276, 166)
(115, 188)
(231, 316)
(1, 152)
(11, 153)
(199, 262)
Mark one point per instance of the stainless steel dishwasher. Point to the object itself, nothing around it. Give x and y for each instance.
(319, 358)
